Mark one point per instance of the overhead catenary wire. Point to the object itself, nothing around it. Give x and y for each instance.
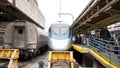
(60, 9)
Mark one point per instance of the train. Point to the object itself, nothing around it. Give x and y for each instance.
(2, 31)
(26, 37)
(59, 38)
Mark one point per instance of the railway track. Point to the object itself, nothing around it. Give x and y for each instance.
(35, 62)
(4, 63)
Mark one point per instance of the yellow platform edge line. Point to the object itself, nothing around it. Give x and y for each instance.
(103, 59)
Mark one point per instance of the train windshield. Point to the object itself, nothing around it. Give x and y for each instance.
(60, 31)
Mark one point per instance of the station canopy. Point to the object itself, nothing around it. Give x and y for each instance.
(97, 14)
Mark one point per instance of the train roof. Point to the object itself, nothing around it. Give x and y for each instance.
(2, 30)
(59, 25)
(42, 32)
(60, 22)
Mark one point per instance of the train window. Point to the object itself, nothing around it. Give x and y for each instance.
(64, 30)
(56, 30)
(20, 31)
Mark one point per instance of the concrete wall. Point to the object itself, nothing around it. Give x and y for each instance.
(30, 8)
(3, 24)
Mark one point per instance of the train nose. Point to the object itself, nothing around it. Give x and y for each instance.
(60, 44)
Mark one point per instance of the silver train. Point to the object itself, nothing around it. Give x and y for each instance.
(59, 37)
(2, 31)
(25, 36)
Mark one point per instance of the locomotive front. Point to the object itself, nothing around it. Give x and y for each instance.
(59, 37)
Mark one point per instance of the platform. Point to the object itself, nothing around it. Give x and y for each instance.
(96, 55)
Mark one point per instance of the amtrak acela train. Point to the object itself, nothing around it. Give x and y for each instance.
(59, 37)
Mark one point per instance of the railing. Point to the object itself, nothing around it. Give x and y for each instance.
(105, 47)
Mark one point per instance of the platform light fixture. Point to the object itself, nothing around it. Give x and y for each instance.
(1, 12)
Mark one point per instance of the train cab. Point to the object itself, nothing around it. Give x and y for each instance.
(59, 37)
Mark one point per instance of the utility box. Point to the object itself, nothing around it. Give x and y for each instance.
(60, 59)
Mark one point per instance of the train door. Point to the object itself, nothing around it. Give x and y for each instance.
(19, 37)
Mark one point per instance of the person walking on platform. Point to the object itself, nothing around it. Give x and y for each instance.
(118, 46)
(106, 36)
(79, 40)
(88, 34)
(76, 39)
(114, 43)
(99, 43)
(73, 39)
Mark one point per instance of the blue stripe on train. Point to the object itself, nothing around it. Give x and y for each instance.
(60, 36)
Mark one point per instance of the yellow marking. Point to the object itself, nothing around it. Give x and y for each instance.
(1, 46)
(60, 56)
(49, 59)
(12, 54)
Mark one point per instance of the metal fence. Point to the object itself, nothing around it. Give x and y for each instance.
(106, 47)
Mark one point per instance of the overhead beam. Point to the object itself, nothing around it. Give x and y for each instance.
(97, 13)
(105, 22)
(85, 11)
(114, 11)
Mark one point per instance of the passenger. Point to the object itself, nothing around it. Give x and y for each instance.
(118, 39)
(114, 43)
(88, 34)
(99, 43)
(106, 36)
(76, 39)
(79, 40)
(73, 39)
(116, 46)
(84, 41)
(113, 39)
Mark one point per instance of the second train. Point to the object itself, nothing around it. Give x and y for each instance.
(59, 37)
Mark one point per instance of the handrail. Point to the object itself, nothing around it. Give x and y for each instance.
(105, 47)
(96, 55)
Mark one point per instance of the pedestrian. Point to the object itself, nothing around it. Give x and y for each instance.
(88, 34)
(114, 43)
(79, 39)
(99, 43)
(41, 64)
(118, 46)
(73, 39)
(106, 36)
(76, 39)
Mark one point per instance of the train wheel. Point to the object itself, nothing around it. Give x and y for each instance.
(26, 56)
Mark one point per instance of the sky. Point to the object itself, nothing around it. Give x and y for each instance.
(52, 8)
